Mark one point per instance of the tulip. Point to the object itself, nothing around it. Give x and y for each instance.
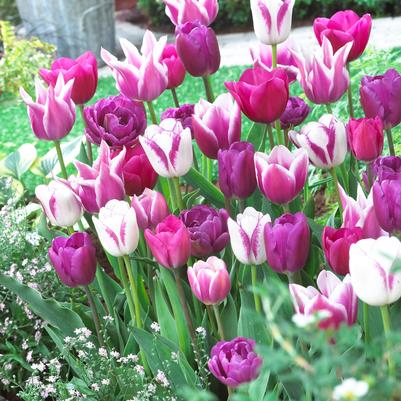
(325, 141)
(142, 76)
(116, 120)
(235, 362)
(117, 228)
(74, 259)
(386, 168)
(169, 148)
(323, 74)
(182, 11)
(198, 48)
(150, 208)
(335, 298)
(344, 27)
(170, 244)
(374, 269)
(282, 174)
(366, 138)
(272, 20)
(82, 70)
(209, 281)
(287, 243)
(216, 125)
(175, 67)
(236, 170)
(207, 229)
(183, 114)
(52, 116)
(256, 89)
(295, 113)
(336, 244)
(246, 236)
(381, 97)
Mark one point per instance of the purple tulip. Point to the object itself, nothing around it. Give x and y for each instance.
(295, 113)
(235, 362)
(175, 67)
(183, 114)
(74, 259)
(237, 176)
(387, 168)
(198, 48)
(207, 229)
(381, 97)
(181, 11)
(287, 242)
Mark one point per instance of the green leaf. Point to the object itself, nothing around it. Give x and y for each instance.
(229, 318)
(19, 162)
(258, 388)
(255, 135)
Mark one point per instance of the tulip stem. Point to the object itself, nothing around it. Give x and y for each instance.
(211, 319)
(254, 273)
(175, 97)
(271, 137)
(350, 104)
(88, 144)
(294, 278)
(280, 136)
(387, 328)
(178, 194)
(369, 174)
(70, 230)
(227, 205)
(336, 189)
(61, 159)
(95, 315)
(173, 195)
(124, 279)
(329, 109)
(366, 322)
(274, 56)
(208, 88)
(134, 291)
(152, 112)
(390, 142)
(220, 326)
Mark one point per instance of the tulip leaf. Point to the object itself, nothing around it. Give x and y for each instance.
(18, 162)
(258, 388)
(255, 136)
(230, 318)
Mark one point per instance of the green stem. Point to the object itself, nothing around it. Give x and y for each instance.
(219, 322)
(295, 278)
(254, 272)
(211, 319)
(209, 169)
(337, 190)
(152, 112)
(369, 174)
(366, 322)
(271, 137)
(70, 230)
(350, 104)
(124, 279)
(329, 109)
(178, 194)
(274, 56)
(94, 314)
(387, 328)
(61, 159)
(390, 142)
(227, 205)
(280, 136)
(89, 152)
(208, 88)
(134, 291)
(175, 97)
(173, 195)
(241, 205)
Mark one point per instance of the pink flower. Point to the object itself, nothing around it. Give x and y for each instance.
(182, 11)
(175, 67)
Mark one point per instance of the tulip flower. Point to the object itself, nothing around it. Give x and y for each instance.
(235, 362)
(116, 120)
(295, 113)
(142, 76)
(216, 125)
(323, 74)
(344, 27)
(336, 244)
(207, 229)
(210, 280)
(236, 170)
(175, 67)
(256, 89)
(183, 114)
(282, 174)
(150, 208)
(117, 228)
(83, 70)
(60, 204)
(74, 259)
(386, 168)
(335, 298)
(374, 269)
(169, 148)
(366, 138)
(52, 116)
(247, 236)
(182, 11)
(272, 20)
(287, 242)
(198, 48)
(325, 141)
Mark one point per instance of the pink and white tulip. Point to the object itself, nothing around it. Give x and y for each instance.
(182, 11)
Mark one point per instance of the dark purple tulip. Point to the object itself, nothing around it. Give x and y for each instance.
(295, 113)
(74, 259)
(235, 362)
(287, 243)
(117, 120)
(387, 168)
(237, 177)
(381, 97)
(198, 48)
(207, 229)
(183, 114)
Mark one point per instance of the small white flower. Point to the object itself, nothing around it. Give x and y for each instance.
(115, 354)
(105, 382)
(140, 370)
(155, 327)
(201, 331)
(95, 387)
(103, 352)
(108, 318)
(162, 379)
(350, 390)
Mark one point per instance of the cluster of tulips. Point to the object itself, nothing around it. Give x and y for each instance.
(114, 196)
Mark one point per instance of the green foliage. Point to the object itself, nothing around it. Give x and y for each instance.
(9, 11)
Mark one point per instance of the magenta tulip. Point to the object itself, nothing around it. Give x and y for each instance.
(175, 67)
(182, 11)
(387, 168)
(183, 114)
(295, 113)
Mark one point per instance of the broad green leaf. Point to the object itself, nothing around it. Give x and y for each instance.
(229, 318)
(255, 135)
(258, 388)
(19, 162)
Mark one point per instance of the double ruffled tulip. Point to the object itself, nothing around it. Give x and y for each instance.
(272, 20)
(207, 229)
(255, 91)
(237, 177)
(170, 243)
(235, 362)
(52, 116)
(374, 269)
(60, 204)
(335, 298)
(83, 70)
(117, 228)
(344, 27)
(116, 120)
(216, 125)
(198, 48)
(169, 148)
(183, 114)
(387, 168)
(247, 236)
(324, 141)
(175, 67)
(182, 11)
(282, 174)
(142, 76)
(295, 113)
(74, 259)
(287, 242)
(210, 280)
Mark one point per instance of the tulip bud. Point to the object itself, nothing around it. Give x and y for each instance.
(210, 281)
(60, 204)
(183, 114)
(175, 67)
(295, 113)
(74, 259)
(181, 12)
